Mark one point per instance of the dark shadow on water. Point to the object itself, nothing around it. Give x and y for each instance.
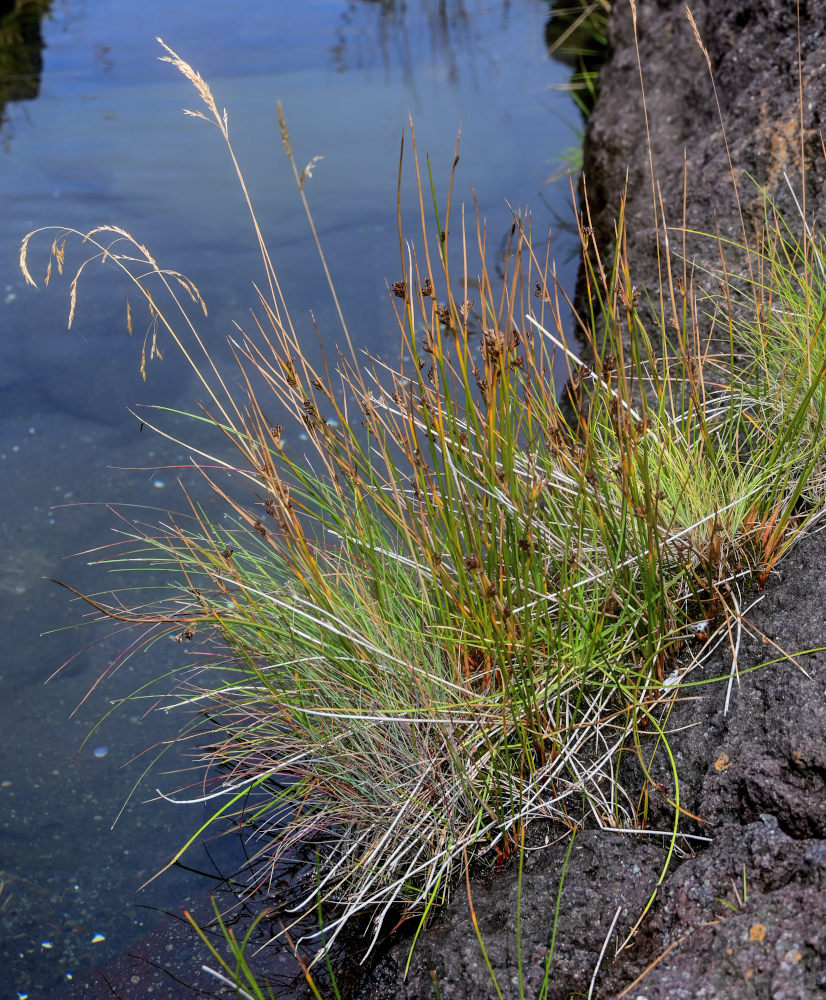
(21, 53)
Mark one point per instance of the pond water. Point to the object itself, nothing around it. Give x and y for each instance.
(102, 139)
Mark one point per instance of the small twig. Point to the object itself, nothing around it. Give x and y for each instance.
(602, 953)
(751, 627)
(735, 651)
(655, 833)
(648, 968)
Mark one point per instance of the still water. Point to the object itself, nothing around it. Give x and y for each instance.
(101, 139)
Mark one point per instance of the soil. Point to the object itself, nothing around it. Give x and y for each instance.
(742, 915)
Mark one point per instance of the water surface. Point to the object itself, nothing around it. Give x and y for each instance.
(102, 139)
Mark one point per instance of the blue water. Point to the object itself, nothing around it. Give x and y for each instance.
(105, 141)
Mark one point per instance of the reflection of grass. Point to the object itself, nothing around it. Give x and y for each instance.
(457, 614)
(568, 162)
(441, 33)
(21, 45)
(576, 33)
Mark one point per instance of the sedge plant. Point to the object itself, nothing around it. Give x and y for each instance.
(455, 613)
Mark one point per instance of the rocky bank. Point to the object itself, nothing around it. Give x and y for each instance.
(743, 915)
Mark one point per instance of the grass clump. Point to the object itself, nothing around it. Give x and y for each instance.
(455, 614)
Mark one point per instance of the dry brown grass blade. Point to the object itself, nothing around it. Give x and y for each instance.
(651, 966)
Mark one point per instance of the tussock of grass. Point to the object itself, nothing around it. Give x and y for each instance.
(455, 614)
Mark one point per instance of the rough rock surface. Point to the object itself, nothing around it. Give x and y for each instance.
(745, 914)
(753, 54)
(605, 873)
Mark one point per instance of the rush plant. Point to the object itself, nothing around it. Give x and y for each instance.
(454, 614)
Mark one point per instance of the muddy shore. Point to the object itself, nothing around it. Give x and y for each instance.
(744, 913)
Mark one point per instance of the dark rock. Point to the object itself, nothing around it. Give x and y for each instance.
(775, 947)
(744, 916)
(606, 873)
(753, 53)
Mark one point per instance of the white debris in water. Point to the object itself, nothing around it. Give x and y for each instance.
(101, 751)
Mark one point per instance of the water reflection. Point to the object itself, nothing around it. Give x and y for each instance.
(393, 31)
(576, 34)
(21, 53)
